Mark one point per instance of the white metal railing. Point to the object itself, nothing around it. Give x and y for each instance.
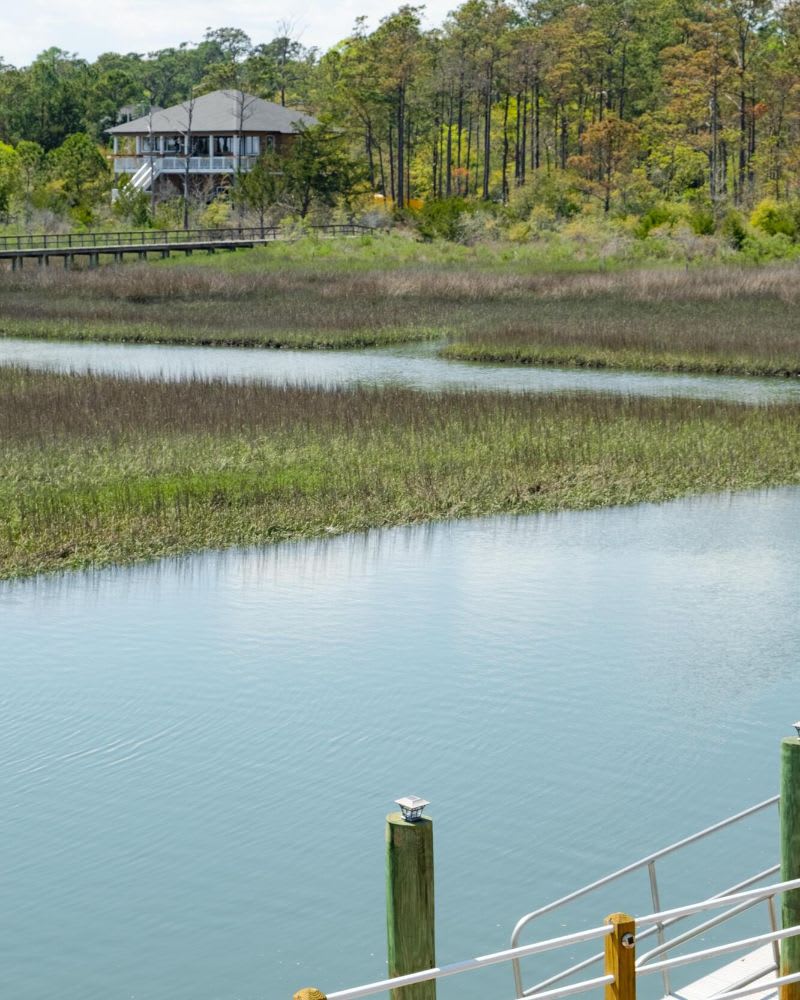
(471, 964)
(145, 176)
(743, 988)
(658, 926)
(643, 966)
(177, 164)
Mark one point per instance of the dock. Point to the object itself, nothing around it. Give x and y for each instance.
(747, 971)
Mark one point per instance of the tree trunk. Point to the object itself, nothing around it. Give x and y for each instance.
(401, 145)
(487, 133)
(449, 150)
(504, 184)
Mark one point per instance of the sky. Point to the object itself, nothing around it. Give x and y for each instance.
(89, 27)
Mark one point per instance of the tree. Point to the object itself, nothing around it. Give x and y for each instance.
(31, 161)
(262, 186)
(10, 176)
(81, 168)
(317, 168)
(610, 146)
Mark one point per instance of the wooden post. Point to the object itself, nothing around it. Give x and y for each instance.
(620, 961)
(790, 860)
(310, 993)
(409, 903)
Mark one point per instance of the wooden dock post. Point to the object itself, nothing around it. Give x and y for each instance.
(620, 957)
(790, 860)
(409, 897)
(310, 993)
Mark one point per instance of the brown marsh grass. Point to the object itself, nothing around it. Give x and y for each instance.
(729, 319)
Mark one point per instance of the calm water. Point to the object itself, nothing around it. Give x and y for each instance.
(409, 365)
(196, 756)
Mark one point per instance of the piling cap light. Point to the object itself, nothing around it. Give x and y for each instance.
(411, 807)
(797, 727)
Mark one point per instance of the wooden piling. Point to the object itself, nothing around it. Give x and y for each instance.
(620, 957)
(790, 860)
(409, 903)
(310, 993)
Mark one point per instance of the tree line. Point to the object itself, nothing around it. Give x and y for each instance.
(624, 103)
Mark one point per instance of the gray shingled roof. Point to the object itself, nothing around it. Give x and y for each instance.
(217, 112)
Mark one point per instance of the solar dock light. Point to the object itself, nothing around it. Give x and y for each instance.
(797, 727)
(411, 807)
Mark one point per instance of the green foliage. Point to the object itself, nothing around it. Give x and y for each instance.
(733, 229)
(132, 206)
(774, 219)
(10, 176)
(702, 221)
(217, 214)
(82, 170)
(263, 186)
(659, 215)
(317, 168)
(442, 218)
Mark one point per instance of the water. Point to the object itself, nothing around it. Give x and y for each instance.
(196, 756)
(413, 365)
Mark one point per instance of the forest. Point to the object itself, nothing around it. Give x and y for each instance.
(657, 112)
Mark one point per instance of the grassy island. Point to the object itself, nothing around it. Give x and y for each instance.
(483, 305)
(98, 470)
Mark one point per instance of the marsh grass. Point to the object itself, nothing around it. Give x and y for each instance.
(95, 470)
(731, 320)
(727, 319)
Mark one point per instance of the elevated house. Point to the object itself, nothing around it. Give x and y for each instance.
(200, 144)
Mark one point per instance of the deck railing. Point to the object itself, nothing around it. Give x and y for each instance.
(177, 164)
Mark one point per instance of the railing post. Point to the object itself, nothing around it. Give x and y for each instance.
(620, 958)
(790, 860)
(309, 993)
(409, 897)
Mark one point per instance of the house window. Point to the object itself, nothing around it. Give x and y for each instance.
(252, 145)
(199, 145)
(173, 144)
(269, 142)
(223, 145)
(150, 144)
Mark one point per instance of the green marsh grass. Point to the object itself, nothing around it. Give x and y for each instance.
(99, 469)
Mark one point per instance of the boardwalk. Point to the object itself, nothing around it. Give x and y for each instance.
(69, 247)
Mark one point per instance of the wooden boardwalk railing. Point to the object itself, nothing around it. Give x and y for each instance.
(68, 246)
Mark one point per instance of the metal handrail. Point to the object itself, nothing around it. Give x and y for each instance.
(761, 988)
(482, 961)
(659, 925)
(642, 935)
(596, 933)
(59, 241)
(719, 949)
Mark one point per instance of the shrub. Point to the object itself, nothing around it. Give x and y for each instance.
(774, 219)
(440, 218)
(702, 222)
(657, 216)
(732, 229)
(131, 205)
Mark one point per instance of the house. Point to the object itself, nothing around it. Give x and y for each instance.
(201, 143)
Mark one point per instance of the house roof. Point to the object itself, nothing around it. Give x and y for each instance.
(219, 111)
